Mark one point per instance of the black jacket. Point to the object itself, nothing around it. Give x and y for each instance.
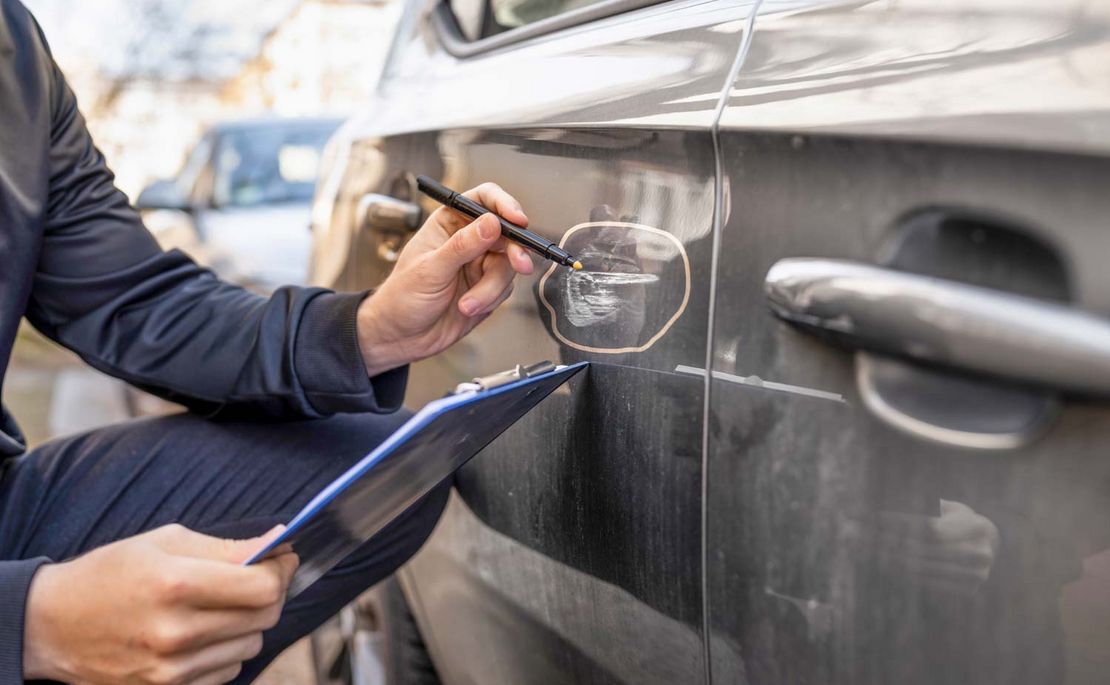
(76, 261)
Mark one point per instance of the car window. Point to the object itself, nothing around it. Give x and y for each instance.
(511, 14)
(186, 180)
(268, 165)
(483, 18)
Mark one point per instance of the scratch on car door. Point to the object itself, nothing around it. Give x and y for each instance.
(634, 287)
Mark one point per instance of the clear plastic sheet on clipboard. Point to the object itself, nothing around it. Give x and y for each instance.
(428, 448)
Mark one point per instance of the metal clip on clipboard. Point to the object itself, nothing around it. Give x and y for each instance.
(519, 372)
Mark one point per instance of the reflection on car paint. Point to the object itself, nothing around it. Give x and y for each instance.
(522, 644)
(874, 69)
(604, 308)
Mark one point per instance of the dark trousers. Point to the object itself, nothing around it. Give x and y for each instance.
(233, 480)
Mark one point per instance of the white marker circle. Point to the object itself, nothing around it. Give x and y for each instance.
(623, 349)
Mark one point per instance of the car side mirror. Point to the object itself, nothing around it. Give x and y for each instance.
(163, 194)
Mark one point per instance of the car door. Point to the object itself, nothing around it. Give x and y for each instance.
(572, 549)
(908, 435)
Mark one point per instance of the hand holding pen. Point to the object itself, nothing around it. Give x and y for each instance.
(450, 276)
(514, 232)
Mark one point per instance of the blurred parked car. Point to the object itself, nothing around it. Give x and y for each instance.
(241, 202)
(882, 228)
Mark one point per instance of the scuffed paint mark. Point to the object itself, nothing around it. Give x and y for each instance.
(594, 297)
(818, 615)
(757, 382)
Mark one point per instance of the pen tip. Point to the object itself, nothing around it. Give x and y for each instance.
(577, 266)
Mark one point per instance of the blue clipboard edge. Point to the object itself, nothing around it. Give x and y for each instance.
(421, 419)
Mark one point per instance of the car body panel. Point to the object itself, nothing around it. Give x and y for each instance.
(1007, 73)
(586, 570)
(622, 533)
(610, 521)
(959, 140)
(963, 141)
(618, 508)
(804, 580)
(660, 66)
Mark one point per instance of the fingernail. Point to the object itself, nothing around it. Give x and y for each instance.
(468, 305)
(486, 229)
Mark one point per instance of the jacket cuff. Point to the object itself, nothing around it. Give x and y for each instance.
(329, 363)
(15, 580)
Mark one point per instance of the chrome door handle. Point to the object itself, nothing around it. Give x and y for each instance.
(944, 322)
(384, 213)
(389, 221)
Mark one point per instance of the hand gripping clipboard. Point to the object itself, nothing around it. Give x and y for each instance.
(428, 448)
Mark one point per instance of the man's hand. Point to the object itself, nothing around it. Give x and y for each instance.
(448, 279)
(164, 608)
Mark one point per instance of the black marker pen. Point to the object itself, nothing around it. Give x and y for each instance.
(518, 234)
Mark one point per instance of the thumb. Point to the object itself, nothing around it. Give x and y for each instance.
(184, 542)
(241, 550)
(467, 244)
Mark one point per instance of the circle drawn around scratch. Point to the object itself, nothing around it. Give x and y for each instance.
(617, 350)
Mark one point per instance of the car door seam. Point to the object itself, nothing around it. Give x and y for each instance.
(718, 226)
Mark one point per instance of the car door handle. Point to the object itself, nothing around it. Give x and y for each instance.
(388, 221)
(944, 322)
(384, 213)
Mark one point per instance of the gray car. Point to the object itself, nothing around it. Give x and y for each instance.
(845, 297)
(240, 204)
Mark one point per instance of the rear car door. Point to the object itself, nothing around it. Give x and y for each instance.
(908, 474)
(572, 551)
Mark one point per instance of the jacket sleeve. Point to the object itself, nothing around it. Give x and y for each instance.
(15, 580)
(104, 289)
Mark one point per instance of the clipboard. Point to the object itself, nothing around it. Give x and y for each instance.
(419, 455)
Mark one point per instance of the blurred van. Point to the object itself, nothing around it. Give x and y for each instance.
(241, 203)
